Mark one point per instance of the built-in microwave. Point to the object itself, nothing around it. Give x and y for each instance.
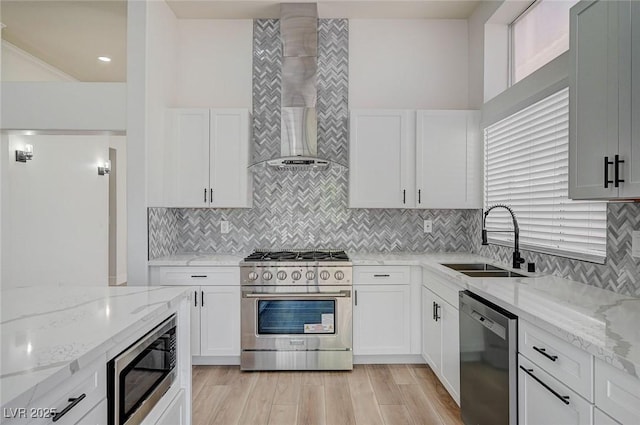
(139, 376)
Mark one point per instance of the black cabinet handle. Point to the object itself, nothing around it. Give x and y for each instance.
(606, 172)
(210, 195)
(205, 195)
(404, 196)
(355, 298)
(563, 398)
(433, 311)
(202, 298)
(198, 275)
(380, 275)
(419, 196)
(195, 298)
(543, 351)
(616, 171)
(438, 317)
(72, 403)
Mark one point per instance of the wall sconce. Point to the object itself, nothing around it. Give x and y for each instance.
(25, 155)
(104, 168)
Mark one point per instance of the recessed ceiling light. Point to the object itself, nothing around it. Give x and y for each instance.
(104, 58)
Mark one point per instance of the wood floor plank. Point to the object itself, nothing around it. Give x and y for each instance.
(312, 378)
(258, 405)
(311, 407)
(445, 405)
(387, 391)
(365, 406)
(401, 374)
(233, 404)
(339, 409)
(288, 388)
(207, 403)
(282, 414)
(420, 409)
(395, 415)
(336, 378)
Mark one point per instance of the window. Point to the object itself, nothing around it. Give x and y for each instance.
(526, 167)
(538, 36)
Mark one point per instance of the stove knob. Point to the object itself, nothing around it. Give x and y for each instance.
(325, 275)
(310, 275)
(253, 276)
(282, 275)
(339, 275)
(267, 275)
(296, 275)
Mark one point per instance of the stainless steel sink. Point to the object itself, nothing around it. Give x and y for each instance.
(482, 270)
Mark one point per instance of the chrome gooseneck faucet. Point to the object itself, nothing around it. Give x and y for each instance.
(517, 259)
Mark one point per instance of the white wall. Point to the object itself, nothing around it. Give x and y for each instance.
(416, 64)
(64, 106)
(214, 63)
(162, 53)
(18, 65)
(55, 212)
(477, 21)
(119, 143)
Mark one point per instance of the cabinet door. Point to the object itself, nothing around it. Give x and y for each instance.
(630, 145)
(593, 98)
(381, 166)
(382, 319)
(229, 158)
(197, 295)
(447, 160)
(600, 418)
(450, 349)
(175, 413)
(99, 415)
(187, 179)
(538, 405)
(431, 331)
(220, 321)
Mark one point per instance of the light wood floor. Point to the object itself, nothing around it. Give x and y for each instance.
(369, 395)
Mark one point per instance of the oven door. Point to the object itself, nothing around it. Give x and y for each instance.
(287, 319)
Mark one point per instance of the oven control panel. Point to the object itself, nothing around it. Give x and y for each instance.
(295, 275)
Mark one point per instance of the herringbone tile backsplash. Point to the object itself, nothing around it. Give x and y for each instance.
(294, 209)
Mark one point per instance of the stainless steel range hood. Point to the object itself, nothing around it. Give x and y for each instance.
(299, 123)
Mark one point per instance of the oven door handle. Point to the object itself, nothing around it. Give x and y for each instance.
(340, 294)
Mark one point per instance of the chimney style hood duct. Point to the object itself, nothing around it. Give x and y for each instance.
(299, 122)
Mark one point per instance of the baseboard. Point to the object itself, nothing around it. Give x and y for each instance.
(389, 359)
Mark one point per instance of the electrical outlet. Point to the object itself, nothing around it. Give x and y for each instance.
(224, 227)
(635, 244)
(428, 226)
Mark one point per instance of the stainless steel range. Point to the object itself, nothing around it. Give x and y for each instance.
(296, 311)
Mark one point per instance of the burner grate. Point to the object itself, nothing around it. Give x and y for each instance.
(311, 255)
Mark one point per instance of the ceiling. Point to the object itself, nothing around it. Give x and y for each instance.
(70, 35)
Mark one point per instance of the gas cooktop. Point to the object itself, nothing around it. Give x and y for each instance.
(292, 256)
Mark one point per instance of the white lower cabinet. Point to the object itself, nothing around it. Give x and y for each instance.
(617, 393)
(382, 319)
(543, 400)
(601, 418)
(175, 413)
(97, 416)
(220, 321)
(440, 340)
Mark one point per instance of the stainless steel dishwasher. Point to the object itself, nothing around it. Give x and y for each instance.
(488, 362)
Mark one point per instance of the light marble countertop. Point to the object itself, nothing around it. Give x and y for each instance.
(48, 333)
(601, 322)
(195, 259)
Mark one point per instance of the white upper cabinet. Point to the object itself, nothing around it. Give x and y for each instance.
(448, 160)
(604, 100)
(379, 157)
(409, 159)
(208, 158)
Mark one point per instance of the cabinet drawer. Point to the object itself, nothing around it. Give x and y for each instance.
(599, 418)
(382, 275)
(570, 365)
(617, 393)
(194, 276)
(542, 399)
(448, 291)
(91, 382)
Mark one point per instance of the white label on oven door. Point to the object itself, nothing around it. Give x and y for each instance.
(325, 327)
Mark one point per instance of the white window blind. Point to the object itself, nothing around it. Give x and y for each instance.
(526, 167)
